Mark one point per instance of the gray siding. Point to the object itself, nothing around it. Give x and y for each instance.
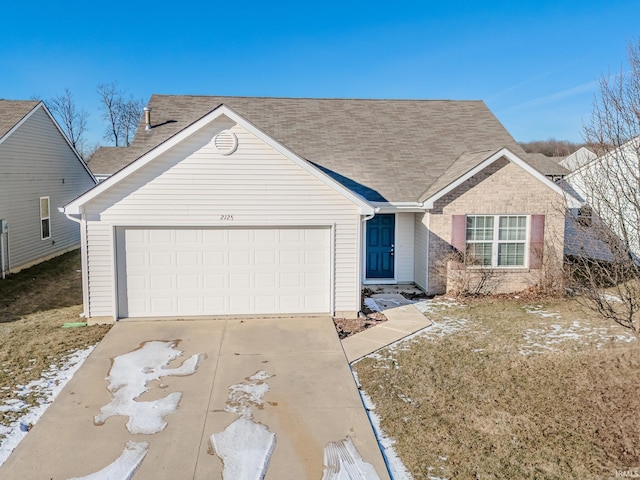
(193, 185)
(36, 161)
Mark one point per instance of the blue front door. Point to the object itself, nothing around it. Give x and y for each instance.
(380, 244)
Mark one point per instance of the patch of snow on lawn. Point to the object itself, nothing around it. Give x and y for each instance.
(395, 465)
(245, 446)
(437, 304)
(537, 310)
(124, 466)
(548, 338)
(129, 378)
(46, 389)
(611, 298)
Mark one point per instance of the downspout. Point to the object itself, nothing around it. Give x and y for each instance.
(4, 227)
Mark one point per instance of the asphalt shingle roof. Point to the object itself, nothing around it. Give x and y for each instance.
(384, 150)
(12, 111)
(547, 165)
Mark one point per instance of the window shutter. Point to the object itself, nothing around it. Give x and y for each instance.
(536, 243)
(459, 232)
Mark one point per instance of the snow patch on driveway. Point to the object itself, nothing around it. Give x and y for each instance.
(124, 466)
(343, 462)
(129, 378)
(245, 446)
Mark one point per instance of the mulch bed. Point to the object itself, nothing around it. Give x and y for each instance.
(349, 326)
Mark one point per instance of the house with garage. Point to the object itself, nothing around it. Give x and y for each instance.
(39, 172)
(277, 206)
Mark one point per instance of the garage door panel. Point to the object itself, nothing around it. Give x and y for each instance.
(169, 272)
(160, 259)
(216, 281)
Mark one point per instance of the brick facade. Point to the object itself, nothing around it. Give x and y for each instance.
(501, 188)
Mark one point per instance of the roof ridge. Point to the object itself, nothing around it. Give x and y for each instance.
(356, 99)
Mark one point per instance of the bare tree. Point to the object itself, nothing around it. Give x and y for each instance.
(551, 147)
(72, 120)
(606, 234)
(121, 114)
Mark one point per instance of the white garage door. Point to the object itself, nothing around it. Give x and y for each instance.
(188, 271)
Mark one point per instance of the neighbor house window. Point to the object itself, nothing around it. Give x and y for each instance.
(45, 219)
(496, 240)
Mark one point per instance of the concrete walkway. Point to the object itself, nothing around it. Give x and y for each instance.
(312, 401)
(403, 319)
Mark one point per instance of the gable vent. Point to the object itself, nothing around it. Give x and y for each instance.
(225, 142)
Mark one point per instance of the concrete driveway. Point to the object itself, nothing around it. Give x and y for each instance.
(311, 401)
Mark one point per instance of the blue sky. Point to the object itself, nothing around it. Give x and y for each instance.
(534, 63)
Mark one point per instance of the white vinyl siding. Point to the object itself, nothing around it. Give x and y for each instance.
(36, 161)
(403, 250)
(192, 185)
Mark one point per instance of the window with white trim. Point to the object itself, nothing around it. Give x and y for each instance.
(45, 219)
(496, 240)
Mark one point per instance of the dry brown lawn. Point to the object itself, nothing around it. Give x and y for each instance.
(34, 304)
(511, 388)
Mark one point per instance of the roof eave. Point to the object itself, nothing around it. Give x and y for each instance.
(572, 202)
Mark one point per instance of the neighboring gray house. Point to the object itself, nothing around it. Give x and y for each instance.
(39, 172)
(236, 205)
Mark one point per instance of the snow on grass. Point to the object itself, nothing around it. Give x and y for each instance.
(394, 464)
(45, 390)
(245, 446)
(124, 466)
(436, 304)
(549, 338)
(538, 310)
(611, 298)
(129, 378)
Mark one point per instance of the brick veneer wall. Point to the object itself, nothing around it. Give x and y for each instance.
(501, 188)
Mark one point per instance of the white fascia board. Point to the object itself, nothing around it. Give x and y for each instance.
(572, 202)
(74, 207)
(394, 207)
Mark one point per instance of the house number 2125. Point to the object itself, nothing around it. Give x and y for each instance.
(226, 217)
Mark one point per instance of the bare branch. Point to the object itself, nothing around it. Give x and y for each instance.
(607, 274)
(72, 120)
